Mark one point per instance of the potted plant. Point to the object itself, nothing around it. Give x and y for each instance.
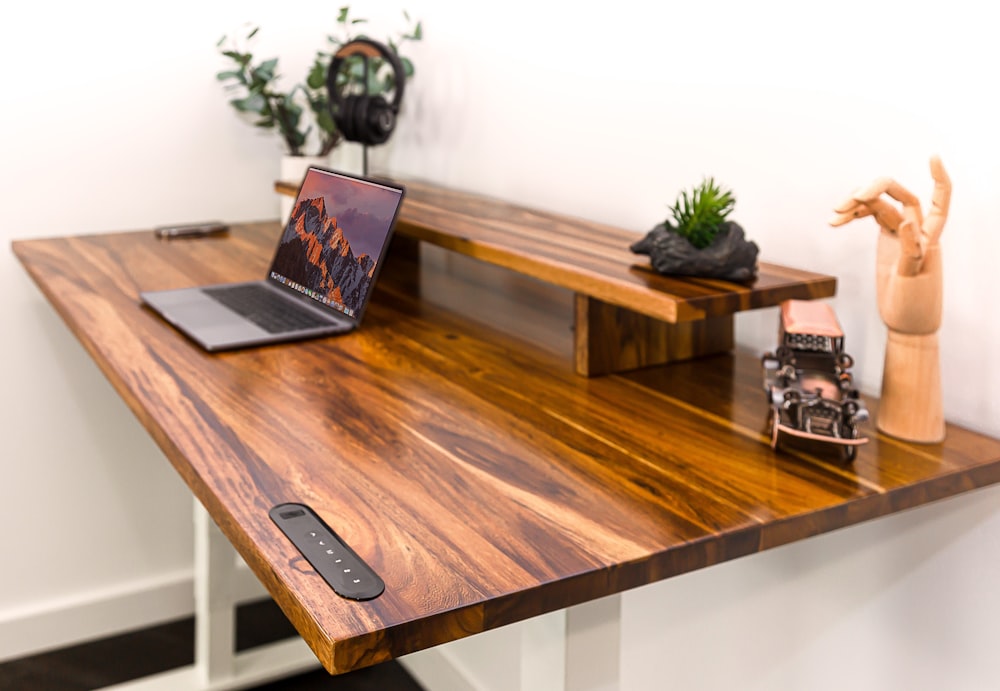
(701, 241)
(294, 113)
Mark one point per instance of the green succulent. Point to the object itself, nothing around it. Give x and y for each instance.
(698, 217)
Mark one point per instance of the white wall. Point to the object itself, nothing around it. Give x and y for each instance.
(602, 111)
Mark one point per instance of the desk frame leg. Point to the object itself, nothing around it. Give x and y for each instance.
(217, 665)
(576, 649)
(214, 601)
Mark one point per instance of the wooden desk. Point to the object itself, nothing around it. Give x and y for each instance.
(470, 467)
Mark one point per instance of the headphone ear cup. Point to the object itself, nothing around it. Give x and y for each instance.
(380, 119)
(345, 118)
(359, 120)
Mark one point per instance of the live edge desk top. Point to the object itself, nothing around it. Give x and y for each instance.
(483, 479)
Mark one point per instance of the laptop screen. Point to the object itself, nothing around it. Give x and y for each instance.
(335, 239)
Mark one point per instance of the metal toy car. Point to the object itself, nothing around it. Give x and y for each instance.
(808, 380)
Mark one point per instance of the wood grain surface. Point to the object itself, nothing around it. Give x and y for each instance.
(466, 463)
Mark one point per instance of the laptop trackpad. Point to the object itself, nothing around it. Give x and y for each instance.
(194, 312)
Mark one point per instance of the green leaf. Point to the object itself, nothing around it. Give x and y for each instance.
(254, 103)
(317, 76)
(265, 71)
(324, 120)
(229, 74)
(253, 33)
(418, 32)
(342, 16)
(221, 41)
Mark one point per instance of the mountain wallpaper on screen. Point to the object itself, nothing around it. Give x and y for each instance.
(314, 240)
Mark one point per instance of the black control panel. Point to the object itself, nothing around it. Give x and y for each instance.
(337, 563)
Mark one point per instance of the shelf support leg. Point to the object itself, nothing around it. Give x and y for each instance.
(610, 339)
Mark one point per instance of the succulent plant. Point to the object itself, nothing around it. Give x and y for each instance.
(698, 217)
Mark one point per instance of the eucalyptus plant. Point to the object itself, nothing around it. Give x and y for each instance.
(258, 94)
(698, 217)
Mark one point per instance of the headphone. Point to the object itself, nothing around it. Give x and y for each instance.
(360, 117)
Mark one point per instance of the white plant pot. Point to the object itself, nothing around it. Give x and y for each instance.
(347, 157)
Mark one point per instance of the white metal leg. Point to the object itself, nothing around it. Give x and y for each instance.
(543, 652)
(577, 649)
(214, 605)
(593, 645)
(217, 666)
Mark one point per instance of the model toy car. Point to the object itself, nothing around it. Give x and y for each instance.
(808, 380)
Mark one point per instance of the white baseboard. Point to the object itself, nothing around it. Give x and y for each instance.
(95, 614)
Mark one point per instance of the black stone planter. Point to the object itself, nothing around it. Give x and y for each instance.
(730, 256)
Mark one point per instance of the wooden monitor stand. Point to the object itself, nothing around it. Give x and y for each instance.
(627, 316)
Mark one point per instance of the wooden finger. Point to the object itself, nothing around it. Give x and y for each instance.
(910, 254)
(940, 202)
(886, 214)
(911, 205)
(847, 205)
(844, 218)
(890, 187)
(848, 211)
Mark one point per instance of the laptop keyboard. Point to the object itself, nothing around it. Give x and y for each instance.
(265, 308)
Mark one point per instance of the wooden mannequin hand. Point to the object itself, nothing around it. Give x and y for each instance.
(908, 277)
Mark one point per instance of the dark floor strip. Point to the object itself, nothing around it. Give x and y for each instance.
(137, 654)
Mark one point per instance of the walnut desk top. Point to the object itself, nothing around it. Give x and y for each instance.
(482, 479)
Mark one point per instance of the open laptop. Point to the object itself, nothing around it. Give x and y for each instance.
(321, 277)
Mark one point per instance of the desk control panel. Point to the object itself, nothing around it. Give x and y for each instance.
(337, 563)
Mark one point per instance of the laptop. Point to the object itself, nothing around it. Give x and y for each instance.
(321, 277)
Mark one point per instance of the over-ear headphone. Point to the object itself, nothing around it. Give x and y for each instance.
(360, 117)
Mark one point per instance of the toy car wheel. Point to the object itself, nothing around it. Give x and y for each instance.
(850, 450)
(845, 361)
(792, 397)
(774, 428)
(850, 408)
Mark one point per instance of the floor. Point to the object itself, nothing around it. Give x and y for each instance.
(157, 649)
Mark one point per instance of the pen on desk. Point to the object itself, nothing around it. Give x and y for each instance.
(191, 230)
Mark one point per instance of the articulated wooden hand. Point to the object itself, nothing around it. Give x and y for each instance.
(909, 286)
